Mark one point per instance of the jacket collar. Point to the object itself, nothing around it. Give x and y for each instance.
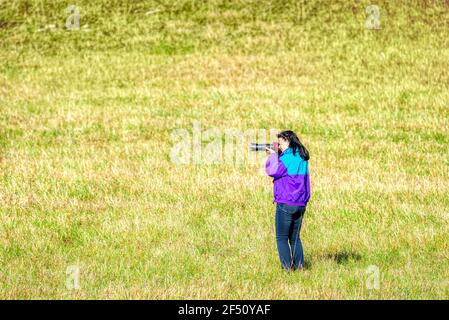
(288, 150)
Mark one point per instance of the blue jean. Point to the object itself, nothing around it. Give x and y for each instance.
(288, 226)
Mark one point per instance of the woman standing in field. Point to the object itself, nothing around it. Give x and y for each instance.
(290, 169)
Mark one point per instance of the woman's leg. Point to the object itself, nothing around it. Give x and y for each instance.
(295, 240)
(283, 226)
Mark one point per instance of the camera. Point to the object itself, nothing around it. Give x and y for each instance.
(263, 146)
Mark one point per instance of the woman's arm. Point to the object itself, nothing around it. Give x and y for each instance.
(274, 167)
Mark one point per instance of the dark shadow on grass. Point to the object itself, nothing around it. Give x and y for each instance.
(307, 264)
(342, 257)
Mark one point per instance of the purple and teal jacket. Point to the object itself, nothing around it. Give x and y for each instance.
(291, 182)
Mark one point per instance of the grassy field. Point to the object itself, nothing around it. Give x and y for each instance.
(93, 206)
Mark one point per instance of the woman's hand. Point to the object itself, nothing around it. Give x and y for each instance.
(269, 150)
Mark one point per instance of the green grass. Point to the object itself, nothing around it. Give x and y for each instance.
(85, 123)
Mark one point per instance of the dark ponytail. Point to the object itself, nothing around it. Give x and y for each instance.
(295, 144)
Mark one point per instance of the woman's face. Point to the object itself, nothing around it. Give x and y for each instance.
(283, 144)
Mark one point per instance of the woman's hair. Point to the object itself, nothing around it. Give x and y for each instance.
(294, 143)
